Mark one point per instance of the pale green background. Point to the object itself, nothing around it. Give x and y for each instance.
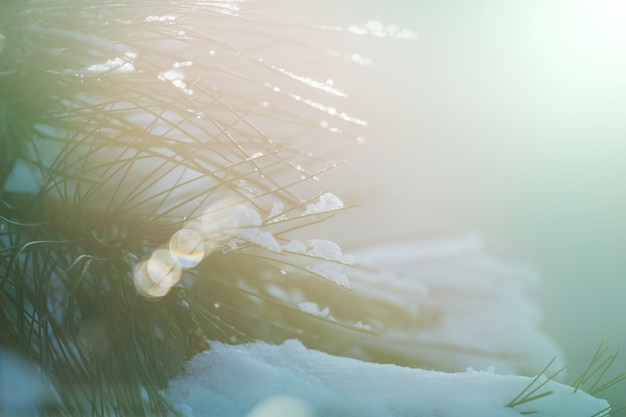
(507, 118)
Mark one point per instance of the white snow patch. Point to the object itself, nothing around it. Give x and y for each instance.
(327, 202)
(276, 214)
(176, 77)
(295, 246)
(244, 185)
(362, 326)
(327, 249)
(118, 65)
(249, 221)
(331, 274)
(312, 308)
(381, 30)
(451, 292)
(324, 250)
(259, 237)
(230, 381)
(164, 18)
(320, 249)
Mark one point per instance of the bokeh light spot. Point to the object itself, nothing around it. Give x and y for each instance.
(187, 248)
(156, 276)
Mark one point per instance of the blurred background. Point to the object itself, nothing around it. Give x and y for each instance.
(507, 118)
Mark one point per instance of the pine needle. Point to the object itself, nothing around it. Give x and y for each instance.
(122, 160)
(527, 395)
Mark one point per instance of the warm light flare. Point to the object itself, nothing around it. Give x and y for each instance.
(154, 277)
(196, 240)
(187, 247)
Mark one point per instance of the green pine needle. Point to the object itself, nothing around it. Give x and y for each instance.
(591, 381)
(120, 161)
(528, 395)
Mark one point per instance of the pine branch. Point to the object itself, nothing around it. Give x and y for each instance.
(127, 142)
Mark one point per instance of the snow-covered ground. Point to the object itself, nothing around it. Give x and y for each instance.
(445, 303)
(289, 380)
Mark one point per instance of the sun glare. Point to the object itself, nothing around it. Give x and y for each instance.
(608, 18)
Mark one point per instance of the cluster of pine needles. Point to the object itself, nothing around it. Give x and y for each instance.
(119, 123)
(594, 380)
